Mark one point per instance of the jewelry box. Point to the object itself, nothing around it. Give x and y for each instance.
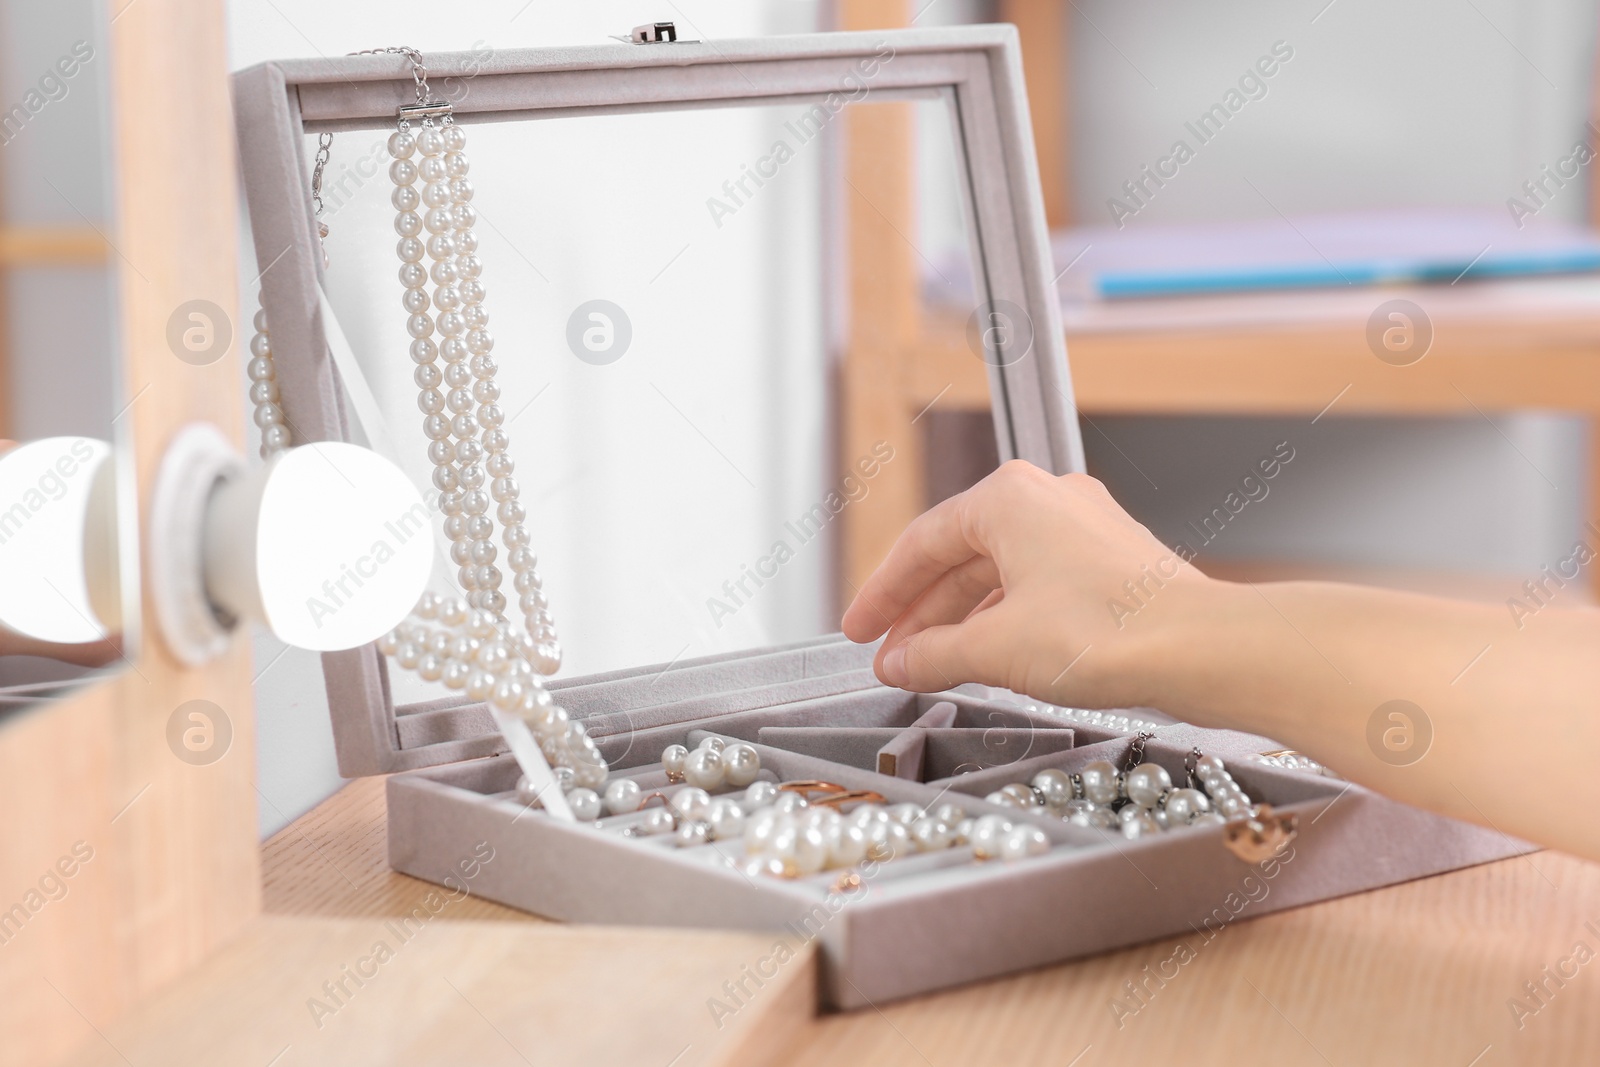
(811, 712)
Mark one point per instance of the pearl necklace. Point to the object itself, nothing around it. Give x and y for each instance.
(1139, 801)
(467, 645)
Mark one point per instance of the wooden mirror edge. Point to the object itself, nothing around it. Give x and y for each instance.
(174, 866)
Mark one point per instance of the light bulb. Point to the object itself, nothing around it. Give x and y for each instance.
(46, 501)
(328, 544)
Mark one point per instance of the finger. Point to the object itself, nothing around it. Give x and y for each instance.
(933, 544)
(949, 599)
(942, 657)
(988, 602)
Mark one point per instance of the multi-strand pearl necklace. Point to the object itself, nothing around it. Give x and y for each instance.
(466, 644)
(1139, 801)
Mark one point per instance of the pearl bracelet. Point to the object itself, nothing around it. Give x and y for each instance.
(1138, 801)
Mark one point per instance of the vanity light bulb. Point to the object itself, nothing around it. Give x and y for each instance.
(329, 545)
(48, 501)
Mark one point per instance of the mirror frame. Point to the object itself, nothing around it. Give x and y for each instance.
(175, 868)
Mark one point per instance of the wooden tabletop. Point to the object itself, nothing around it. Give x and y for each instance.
(1435, 971)
(1421, 973)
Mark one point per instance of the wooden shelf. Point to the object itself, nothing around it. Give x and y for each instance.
(52, 246)
(1496, 346)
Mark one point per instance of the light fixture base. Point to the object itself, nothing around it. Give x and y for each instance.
(197, 462)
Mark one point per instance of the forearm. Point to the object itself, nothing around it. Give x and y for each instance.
(1511, 712)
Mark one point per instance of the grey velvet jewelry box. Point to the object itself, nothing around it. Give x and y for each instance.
(814, 709)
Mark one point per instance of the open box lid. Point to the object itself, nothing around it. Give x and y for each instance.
(975, 69)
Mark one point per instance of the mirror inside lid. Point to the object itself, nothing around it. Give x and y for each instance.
(698, 317)
(698, 327)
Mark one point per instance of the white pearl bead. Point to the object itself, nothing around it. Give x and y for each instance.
(1025, 797)
(430, 142)
(691, 803)
(725, 819)
(788, 802)
(268, 414)
(904, 814)
(1140, 826)
(1003, 799)
(847, 845)
(761, 827)
(1099, 781)
(887, 840)
(622, 796)
(930, 835)
(585, 804)
(741, 764)
(1055, 786)
(656, 821)
(1021, 842)
(1184, 804)
(758, 795)
(1145, 784)
(527, 795)
(866, 815)
(986, 835)
(672, 760)
(704, 768)
(810, 850)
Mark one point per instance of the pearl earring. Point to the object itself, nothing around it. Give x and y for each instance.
(712, 765)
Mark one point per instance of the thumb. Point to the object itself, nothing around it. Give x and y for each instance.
(939, 658)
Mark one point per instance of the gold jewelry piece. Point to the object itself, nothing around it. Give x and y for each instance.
(850, 796)
(1261, 834)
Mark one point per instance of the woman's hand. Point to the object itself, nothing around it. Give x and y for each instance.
(1037, 583)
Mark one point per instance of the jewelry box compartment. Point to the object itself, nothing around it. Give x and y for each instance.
(927, 920)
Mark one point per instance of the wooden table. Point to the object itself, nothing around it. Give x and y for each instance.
(1420, 973)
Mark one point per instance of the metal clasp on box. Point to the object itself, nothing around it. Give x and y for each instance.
(654, 33)
(427, 110)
